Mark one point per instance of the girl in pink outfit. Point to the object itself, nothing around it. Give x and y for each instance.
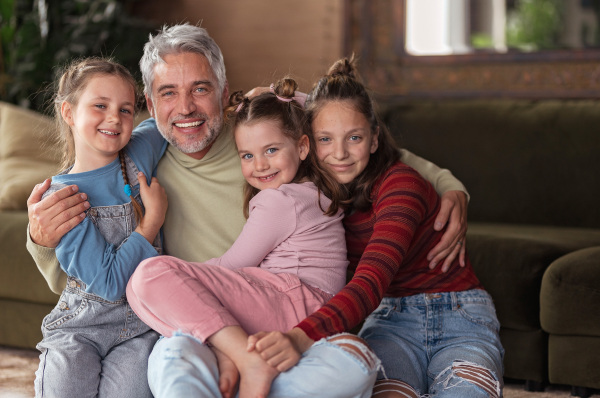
(289, 260)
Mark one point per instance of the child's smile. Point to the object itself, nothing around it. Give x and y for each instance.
(102, 121)
(269, 157)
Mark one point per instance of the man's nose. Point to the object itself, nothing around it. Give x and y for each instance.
(186, 104)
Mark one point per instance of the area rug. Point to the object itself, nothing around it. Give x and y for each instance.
(17, 372)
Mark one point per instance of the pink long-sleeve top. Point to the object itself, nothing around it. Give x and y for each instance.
(287, 232)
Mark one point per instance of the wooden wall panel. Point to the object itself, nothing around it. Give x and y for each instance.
(264, 40)
(377, 35)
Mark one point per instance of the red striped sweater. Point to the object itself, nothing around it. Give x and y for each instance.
(387, 249)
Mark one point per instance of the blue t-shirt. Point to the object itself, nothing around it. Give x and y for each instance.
(105, 259)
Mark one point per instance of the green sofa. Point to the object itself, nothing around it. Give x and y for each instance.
(532, 170)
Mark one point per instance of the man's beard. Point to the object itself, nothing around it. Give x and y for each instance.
(194, 145)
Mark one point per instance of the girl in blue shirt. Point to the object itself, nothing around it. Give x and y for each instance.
(93, 343)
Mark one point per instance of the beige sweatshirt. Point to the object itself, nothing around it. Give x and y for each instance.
(205, 215)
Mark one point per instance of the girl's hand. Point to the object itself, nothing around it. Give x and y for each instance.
(276, 348)
(155, 202)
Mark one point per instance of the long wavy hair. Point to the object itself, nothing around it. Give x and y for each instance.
(342, 84)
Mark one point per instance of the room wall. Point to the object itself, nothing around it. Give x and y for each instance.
(263, 40)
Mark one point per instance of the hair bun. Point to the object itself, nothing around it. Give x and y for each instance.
(285, 88)
(344, 67)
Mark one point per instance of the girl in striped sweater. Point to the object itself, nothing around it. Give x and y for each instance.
(435, 332)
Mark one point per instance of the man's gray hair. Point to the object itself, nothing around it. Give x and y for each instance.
(176, 39)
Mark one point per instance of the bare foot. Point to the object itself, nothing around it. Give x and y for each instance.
(256, 377)
(228, 374)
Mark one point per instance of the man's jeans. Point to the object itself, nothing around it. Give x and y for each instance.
(181, 366)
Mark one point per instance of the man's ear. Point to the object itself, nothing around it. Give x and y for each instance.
(150, 105)
(225, 95)
(66, 111)
(375, 140)
(303, 146)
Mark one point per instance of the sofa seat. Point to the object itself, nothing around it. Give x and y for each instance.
(570, 314)
(25, 297)
(510, 260)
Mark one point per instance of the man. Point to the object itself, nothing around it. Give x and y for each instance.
(186, 90)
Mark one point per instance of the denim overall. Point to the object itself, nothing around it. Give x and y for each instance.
(93, 347)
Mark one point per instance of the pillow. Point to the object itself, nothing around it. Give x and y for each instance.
(28, 154)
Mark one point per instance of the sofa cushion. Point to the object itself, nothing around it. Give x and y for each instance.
(523, 161)
(510, 260)
(21, 279)
(28, 154)
(570, 294)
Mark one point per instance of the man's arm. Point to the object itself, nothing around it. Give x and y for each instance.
(453, 210)
(442, 179)
(47, 263)
(49, 219)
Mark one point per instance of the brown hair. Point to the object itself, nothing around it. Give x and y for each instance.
(73, 81)
(342, 83)
(292, 119)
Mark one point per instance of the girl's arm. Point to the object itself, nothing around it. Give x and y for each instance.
(105, 269)
(272, 220)
(146, 146)
(45, 257)
(399, 209)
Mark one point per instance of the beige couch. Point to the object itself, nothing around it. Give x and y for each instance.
(28, 155)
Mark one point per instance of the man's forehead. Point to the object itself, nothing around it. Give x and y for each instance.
(183, 69)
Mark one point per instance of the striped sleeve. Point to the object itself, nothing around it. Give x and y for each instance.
(385, 233)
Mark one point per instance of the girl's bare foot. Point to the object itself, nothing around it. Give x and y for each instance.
(228, 374)
(256, 377)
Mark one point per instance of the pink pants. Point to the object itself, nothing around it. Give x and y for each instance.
(171, 295)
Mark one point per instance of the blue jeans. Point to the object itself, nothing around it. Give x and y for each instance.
(93, 348)
(181, 366)
(422, 339)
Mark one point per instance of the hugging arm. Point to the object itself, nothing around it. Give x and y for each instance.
(49, 220)
(453, 211)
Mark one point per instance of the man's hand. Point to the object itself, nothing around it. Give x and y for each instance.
(256, 91)
(280, 350)
(51, 218)
(454, 212)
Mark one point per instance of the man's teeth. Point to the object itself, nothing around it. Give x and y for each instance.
(191, 124)
(108, 132)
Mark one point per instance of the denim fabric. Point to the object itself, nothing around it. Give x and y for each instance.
(181, 366)
(93, 347)
(420, 338)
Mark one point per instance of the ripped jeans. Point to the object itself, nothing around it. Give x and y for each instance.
(425, 339)
(181, 366)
